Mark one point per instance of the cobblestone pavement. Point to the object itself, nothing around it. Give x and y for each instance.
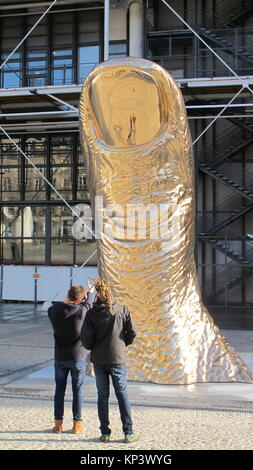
(26, 426)
(26, 346)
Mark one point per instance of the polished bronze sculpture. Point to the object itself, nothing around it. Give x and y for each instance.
(138, 151)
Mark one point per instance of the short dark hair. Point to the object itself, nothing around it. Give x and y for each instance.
(76, 293)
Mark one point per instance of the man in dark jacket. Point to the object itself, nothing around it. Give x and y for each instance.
(106, 331)
(67, 319)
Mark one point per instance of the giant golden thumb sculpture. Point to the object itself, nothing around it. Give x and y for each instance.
(139, 160)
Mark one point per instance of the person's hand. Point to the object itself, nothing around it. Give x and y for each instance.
(91, 287)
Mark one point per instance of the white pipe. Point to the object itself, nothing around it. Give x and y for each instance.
(106, 28)
(221, 117)
(54, 12)
(73, 108)
(136, 29)
(41, 125)
(206, 106)
(38, 113)
(37, 5)
(29, 131)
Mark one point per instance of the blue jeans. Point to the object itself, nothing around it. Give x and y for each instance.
(77, 370)
(119, 380)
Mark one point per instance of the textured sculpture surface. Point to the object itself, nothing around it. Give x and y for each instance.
(139, 159)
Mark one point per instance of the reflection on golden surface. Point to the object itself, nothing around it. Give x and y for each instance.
(119, 104)
(138, 151)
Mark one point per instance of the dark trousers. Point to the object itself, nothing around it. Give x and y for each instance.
(118, 375)
(77, 371)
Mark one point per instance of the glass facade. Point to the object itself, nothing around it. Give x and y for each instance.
(36, 227)
(61, 50)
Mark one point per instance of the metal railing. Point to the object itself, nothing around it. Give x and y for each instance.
(233, 170)
(219, 278)
(227, 12)
(224, 15)
(235, 47)
(43, 76)
(226, 141)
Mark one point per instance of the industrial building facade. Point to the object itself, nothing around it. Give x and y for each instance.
(207, 46)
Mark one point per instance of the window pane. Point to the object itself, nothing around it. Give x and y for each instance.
(61, 39)
(33, 251)
(62, 67)
(83, 71)
(36, 68)
(37, 41)
(82, 190)
(62, 76)
(36, 55)
(62, 52)
(37, 222)
(61, 222)
(11, 32)
(118, 50)
(89, 26)
(36, 150)
(36, 64)
(62, 62)
(35, 185)
(82, 195)
(62, 29)
(61, 231)
(61, 150)
(62, 251)
(11, 251)
(14, 23)
(81, 156)
(36, 79)
(11, 76)
(88, 54)
(11, 219)
(13, 61)
(10, 155)
(83, 250)
(10, 184)
(62, 181)
(88, 57)
(39, 35)
(11, 80)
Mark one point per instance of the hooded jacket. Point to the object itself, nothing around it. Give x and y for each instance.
(67, 321)
(107, 333)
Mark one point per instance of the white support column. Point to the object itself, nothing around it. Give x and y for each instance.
(136, 29)
(106, 28)
(27, 223)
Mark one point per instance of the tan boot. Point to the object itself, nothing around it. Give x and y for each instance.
(58, 426)
(77, 427)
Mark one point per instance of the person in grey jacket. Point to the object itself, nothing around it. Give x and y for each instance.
(107, 330)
